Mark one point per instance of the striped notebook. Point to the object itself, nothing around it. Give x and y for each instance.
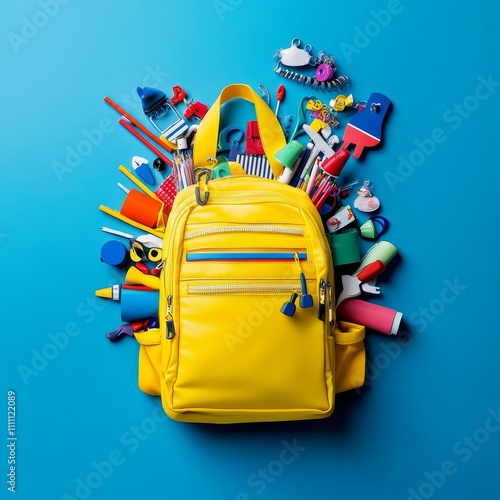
(255, 165)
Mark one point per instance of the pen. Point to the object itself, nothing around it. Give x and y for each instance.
(116, 232)
(312, 178)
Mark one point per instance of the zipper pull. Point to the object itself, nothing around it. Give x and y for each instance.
(330, 305)
(170, 319)
(289, 308)
(306, 299)
(322, 295)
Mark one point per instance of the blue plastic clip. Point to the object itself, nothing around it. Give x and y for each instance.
(289, 308)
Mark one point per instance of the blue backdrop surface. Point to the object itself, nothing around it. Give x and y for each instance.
(427, 422)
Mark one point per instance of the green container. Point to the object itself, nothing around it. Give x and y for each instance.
(345, 246)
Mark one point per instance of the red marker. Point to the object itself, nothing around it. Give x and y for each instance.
(280, 94)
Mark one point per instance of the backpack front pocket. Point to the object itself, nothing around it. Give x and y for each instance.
(247, 355)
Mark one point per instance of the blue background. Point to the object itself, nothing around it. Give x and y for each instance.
(423, 423)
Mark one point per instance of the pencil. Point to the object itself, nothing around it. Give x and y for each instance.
(136, 134)
(138, 124)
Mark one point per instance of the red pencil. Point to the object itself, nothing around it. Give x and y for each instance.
(134, 132)
(319, 204)
(323, 185)
(138, 124)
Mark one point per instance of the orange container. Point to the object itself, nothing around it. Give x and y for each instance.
(141, 208)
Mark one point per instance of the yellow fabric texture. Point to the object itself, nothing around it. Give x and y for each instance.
(149, 361)
(271, 132)
(350, 359)
(235, 357)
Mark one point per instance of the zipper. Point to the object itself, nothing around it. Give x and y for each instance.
(170, 319)
(322, 298)
(187, 202)
(330, 306)
(253, 228)
(306, 299)
(242, 289)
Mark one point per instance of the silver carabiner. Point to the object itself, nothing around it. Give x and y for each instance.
(203, 172)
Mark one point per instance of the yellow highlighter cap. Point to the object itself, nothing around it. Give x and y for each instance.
(112, 292)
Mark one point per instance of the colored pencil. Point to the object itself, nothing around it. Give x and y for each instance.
(138, 124)
(136, 134)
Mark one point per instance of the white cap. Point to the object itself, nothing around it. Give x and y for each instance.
(182, 143)
(396, 323)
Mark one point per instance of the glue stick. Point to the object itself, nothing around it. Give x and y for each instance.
(137, 301)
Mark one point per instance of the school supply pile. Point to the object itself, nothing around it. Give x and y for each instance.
(228, 280)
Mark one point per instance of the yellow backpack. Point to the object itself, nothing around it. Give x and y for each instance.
(247, 328)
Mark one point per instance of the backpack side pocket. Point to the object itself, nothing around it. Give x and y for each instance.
(350, 356)
(149, 361)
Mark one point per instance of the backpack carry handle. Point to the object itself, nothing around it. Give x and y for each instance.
(271, 132)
